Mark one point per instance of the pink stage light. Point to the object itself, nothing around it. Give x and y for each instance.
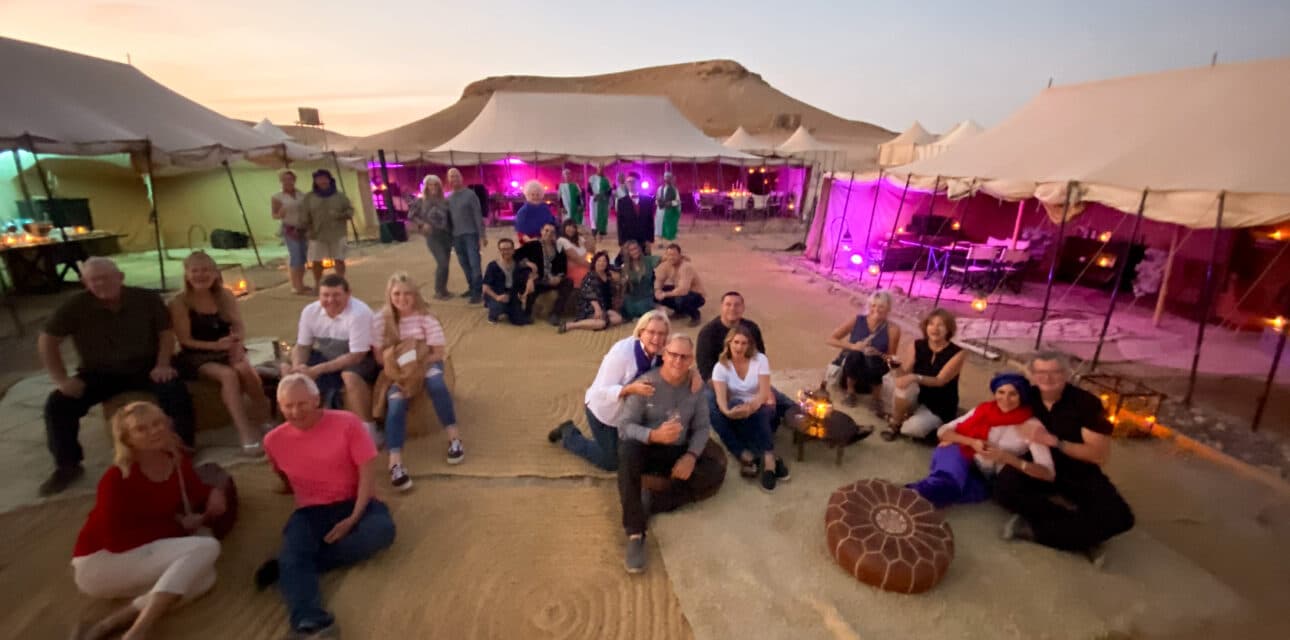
(645, 185)
(846, 247)
(388, 165)
(856, 259)
(515, 184)
(515, 161)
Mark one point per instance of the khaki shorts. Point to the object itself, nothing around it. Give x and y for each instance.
(319, 250)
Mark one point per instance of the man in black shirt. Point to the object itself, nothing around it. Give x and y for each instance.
(1076, 428)
(550, 265)
(711, 342)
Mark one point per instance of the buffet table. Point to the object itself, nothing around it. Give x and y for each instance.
(40, 265)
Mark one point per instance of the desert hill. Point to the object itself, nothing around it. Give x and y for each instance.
(716, 95)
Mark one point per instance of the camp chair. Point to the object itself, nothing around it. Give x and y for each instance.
(774, 204)
(1010, 269)
(976, 264)
(759, 203)
(738, 205)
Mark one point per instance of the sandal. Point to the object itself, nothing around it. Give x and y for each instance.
(891, 432)
(564, 327)
(748, 468)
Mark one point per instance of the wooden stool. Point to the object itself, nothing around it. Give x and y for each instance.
(421, 416)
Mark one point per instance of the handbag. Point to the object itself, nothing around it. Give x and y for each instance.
(215, 477)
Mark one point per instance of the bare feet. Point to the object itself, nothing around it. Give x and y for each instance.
(119, 619)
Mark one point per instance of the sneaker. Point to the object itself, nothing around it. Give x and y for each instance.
(252, 451)
(476, 300)
(781, 470)
(329, 632)
(492, 320)
(456, 453)
(635, 554)
(557, 434)
(399, 478)
(1016, 528)
(464, 294)
(1096, 556)
(60, 479)
(443, 295)
(768, 480)
(267, 574)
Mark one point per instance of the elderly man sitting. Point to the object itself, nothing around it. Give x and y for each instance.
(329, 462)
(124, 339)
(664, 432)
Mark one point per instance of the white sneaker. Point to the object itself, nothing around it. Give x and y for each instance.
(399, 478)
(456, 453)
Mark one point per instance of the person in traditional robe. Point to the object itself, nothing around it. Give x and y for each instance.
(668, 215)
(570, 197)
(601, 196)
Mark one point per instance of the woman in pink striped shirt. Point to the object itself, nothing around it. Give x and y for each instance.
(406, 317)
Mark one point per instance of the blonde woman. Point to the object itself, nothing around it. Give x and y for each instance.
(285, 207)
(140, 540)
(429, 216)
(209, 329)
(534, 213)
(746, 408)
(867, 341)
(410, 342)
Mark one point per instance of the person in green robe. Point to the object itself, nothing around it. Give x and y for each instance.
(570, 197)
(638, 276)
(669, 207)
(601, 194)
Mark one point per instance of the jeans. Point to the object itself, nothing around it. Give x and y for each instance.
(1100, 513)
(952, 479)
(687, 305)
(467, 245)
(720, 423)
(752, 434)
(63, 413)
(636, 459)
(513, 309)
(396, 413)
(304, 555)
(440, 245)
(601, 449)
(297, 249)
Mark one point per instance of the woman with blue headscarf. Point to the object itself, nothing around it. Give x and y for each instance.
(977, 445)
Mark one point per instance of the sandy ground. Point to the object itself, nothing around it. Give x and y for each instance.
(523, 540)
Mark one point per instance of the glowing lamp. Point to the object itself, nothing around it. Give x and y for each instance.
(1105, 262)
(515, 184)
(1105, 398)
(791, 206)
(241, 285)
(762, 170)
(1276, 235)
(590, 257)
(10, 241)
(645, 184)
(328, 263)
(900, 229)
(956, 226)
(817, 406)
(979, 303)
(739, 228)
(82, 230)
(1278, 323)
(856, 259)
(873, 269)
(846, 247)
(1150, 419)
(752, 170)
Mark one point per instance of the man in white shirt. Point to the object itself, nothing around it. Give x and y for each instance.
(334, 347)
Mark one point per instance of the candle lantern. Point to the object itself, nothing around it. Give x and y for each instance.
(1105, 237)
(979, 303)
(1130, 406)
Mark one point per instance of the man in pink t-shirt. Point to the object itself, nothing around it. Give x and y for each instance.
(327, 459)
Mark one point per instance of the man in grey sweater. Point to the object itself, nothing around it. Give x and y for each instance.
(664, 432)
(467, 233)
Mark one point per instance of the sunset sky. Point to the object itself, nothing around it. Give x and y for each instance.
(376, 64)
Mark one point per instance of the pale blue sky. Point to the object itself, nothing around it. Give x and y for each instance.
(376, 64)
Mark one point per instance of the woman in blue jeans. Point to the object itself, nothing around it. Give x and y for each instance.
(412, 346)
(746, 408)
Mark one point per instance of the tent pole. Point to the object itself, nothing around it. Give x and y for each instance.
(44, 184)
(340, 180)
(1057, 258)
(931, 211)
(895, 224)
(31, 206)
(1206, 300)
(833, 257)
(873, 211)
(245, 222)
(535, 167)
(1119, 278)
(156, 219)
(940, 288)
(1272, 374)
(1016, 226)
(1164, 279)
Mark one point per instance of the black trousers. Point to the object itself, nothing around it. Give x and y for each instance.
(1099, 514)
(636, 459)
(63, 413)
(562, 293)
(687, 305)
(864, 372)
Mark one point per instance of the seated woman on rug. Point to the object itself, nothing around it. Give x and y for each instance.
(866, 341)
(993, 435)
(534, 213)
(209, 329)
(141, 538)
(409, 341)
(638, 280)
(925, 382)
(596, 304)
(575, 248)
(745, 416)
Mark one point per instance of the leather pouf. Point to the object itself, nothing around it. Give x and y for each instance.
(888, 536)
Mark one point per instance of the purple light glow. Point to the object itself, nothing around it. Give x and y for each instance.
(515, 161)
(515, 184)
(388, 165)
(645, 184)
(856, 259)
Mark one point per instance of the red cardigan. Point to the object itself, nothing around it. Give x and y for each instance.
(130, 512)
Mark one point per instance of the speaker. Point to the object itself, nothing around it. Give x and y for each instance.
(225, 239)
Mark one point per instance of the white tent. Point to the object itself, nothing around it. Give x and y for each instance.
(961, 132)
(582, 128)
(741, 140)
(803, 142)
(271, 130)
(900, 150)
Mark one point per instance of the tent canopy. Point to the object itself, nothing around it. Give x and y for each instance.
(741, 140)
(901, 149)
(582, 128)
(67, 103)
(1185, 135)
(803, 142)
(965, 130)
(271, 130)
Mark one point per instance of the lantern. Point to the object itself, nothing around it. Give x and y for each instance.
(873, 269)
(739, 228)
(979, 303)
(1106, 262)
(1278, 323)
(900, 229)
(328, 263)
(1105, 237)
(856, 259)
(1276, 235)
(956, 226)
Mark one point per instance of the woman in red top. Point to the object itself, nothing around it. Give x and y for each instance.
(140, 539)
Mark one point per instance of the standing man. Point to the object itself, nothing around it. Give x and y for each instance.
(1076, 429)
(324, 214)
(664, 432)
(334, 348)
(124, 341)
(668, 217)
(635, 216)
(570, 197)
(467, 233)
(677, 285)
(601, 197)
(712, 338)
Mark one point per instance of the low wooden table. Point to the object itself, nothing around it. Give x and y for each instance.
(840, 431)
(42, 267)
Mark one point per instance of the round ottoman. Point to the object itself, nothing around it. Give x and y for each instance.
(888, 536)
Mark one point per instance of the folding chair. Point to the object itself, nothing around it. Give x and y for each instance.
(976, 264)
(1011, 269)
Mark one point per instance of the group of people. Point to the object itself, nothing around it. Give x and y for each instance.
(1038, 446)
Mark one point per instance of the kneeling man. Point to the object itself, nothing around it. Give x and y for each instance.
(665, 432)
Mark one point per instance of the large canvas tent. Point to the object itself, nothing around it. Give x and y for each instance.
(961, 132)
(902, 148)
(741, 140)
